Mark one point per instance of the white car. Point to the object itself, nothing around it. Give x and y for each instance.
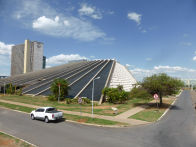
(47, 114)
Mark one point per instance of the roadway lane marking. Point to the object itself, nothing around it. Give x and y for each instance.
(169, 107)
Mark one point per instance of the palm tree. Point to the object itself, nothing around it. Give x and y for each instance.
(64, 87)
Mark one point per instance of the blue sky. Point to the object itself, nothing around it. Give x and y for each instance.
(148, 36)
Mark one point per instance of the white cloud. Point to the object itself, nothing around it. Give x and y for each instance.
(135, 17)
(194, 58)
(68, 27)
(171, 68)
(92, 56)
(46, 23)
(174, 71)
(148, 59)
(90, 11)
(66, 23)
(5, 52)
(185, 35)
(127, 65)
(44, 18)
(33, 8)
(62, 59)
(5, 49)
(186, 43)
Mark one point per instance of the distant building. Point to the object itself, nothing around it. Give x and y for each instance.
(44, 62)
(3, 77)
(27, 57)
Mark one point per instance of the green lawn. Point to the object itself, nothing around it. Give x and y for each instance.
(77, 118)
(148, 115)
(152, 113)
(104, 109)
(17, 107)
(9, 141)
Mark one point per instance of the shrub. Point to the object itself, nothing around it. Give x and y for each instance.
(86, 101)
(51, 98)
(19, 92)
(74, 101)
(115, 95)
(9, 89)
(68, 101)
(139, 93)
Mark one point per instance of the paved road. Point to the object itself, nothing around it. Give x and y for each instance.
(176, 129)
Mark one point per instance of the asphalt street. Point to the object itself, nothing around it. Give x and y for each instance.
(176, 129)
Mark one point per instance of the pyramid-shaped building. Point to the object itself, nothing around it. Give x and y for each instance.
(80, 76)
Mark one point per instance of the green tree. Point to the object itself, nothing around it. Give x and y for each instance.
(139, 92)
(162, 84)
(63, 89)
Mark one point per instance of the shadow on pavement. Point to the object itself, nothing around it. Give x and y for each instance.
(174, 107)
(58, 121)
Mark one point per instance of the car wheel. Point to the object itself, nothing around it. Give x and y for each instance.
(32, 117)
(46, 120)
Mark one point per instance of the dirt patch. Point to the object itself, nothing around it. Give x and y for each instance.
(7, 142)
(82, 120)
(104, 107)
(166, 104)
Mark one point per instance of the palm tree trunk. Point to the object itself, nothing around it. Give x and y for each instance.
(160, 96)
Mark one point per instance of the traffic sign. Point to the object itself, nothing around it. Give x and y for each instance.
(79, 100)
(156, 97)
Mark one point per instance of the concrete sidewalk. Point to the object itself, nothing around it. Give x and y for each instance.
(119, 118)
(130, 112)
(133, 111)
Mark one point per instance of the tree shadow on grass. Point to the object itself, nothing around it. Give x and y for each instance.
(152, 105)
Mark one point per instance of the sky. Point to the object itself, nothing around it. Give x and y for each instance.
(147, 36)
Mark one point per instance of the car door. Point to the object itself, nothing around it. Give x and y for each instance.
(36, 114)
(39, 113)
(42, 114)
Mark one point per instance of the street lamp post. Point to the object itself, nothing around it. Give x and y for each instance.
(59, 92)
(4, 89)
(93, 93)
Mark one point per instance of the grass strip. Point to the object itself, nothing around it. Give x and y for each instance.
(17, 107)
(77, 118)
(148, 115)
(85, 119)
(7, 140)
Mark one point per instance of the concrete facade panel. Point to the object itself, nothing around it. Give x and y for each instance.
(17, 60)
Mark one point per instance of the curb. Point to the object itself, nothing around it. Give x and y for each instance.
(169, 107)
(104, 126)
(19, 138)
